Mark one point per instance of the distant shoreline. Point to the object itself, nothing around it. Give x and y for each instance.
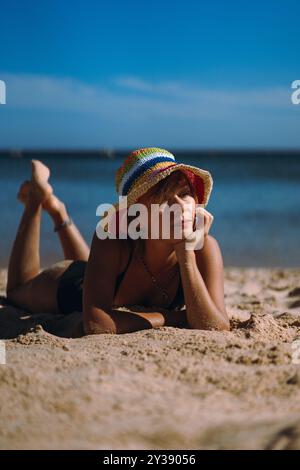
(110, 153)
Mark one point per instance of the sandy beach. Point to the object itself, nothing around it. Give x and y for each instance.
(168, 388)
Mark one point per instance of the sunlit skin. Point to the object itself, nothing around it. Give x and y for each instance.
(201, 270)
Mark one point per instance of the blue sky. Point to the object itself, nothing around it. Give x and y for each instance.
(178, 74)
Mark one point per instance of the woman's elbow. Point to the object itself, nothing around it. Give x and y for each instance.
(220, 323)
(225, 325)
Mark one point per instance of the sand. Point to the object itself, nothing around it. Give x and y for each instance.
(168, 388)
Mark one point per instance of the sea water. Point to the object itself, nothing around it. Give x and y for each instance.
(255, 202)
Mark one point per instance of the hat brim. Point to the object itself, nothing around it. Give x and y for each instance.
(200, 179)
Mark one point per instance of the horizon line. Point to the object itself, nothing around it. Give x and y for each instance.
(111, 151)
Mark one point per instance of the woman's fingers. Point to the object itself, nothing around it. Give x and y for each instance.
(206, 221)
(209, 220)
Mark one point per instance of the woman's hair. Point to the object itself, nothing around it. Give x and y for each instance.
(159, 192)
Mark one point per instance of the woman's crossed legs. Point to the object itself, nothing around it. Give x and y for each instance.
(27, 287)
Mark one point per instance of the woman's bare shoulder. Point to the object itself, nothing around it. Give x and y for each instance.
(111, 250)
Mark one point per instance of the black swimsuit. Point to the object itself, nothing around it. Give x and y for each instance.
(69, 290)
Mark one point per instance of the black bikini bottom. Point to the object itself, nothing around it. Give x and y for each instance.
(69, 290)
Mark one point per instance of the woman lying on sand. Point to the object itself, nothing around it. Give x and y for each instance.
(173, 285)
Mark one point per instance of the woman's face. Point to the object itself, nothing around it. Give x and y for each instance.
(164, 192)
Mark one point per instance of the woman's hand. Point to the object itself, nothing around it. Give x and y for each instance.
(208, 219)
(193, 220)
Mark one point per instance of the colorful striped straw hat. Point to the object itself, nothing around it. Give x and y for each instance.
(145, 167)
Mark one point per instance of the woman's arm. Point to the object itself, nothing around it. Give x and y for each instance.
(121, 321)
(130, 320)
(203, 285)
(169, 317)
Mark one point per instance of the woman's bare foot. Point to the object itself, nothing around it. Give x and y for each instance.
(40, 190)
(51, 204)
(24, 191)
(54, 206)
(39, 183)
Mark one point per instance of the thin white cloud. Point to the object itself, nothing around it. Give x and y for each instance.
(136, 97)
(133, 112)
(270, 97)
